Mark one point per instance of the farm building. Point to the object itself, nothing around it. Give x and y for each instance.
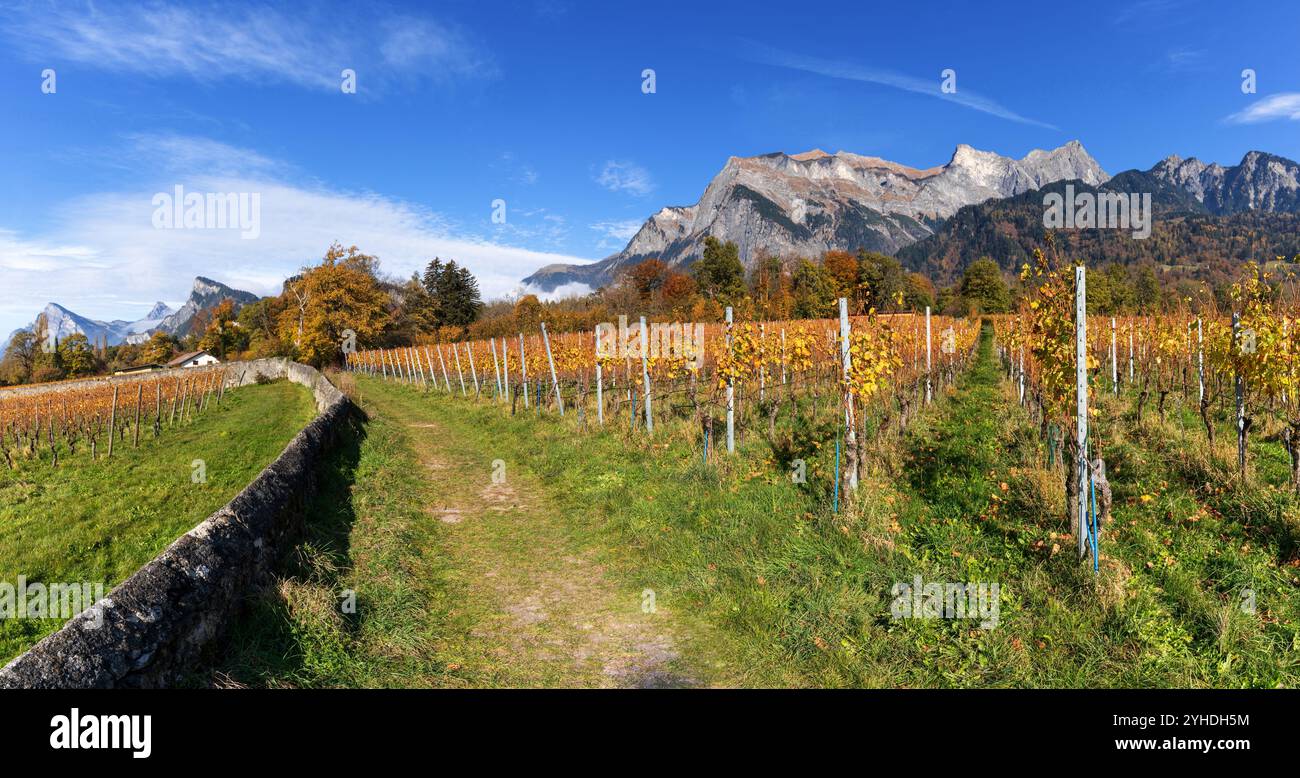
(194, 359)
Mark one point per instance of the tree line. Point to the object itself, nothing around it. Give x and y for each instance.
(346, 295)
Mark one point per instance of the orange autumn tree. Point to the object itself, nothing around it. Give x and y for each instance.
(323, 302)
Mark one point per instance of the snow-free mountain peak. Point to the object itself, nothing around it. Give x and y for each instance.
(808, 202)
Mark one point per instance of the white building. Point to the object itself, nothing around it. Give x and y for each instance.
(194, 359)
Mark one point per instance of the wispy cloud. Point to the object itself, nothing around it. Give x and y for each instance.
(103, 258)
(1184, 60)
(1146, 10)
(1284, 105)
(262, 45)
(624, 176)
(853, 72)
(615, 234)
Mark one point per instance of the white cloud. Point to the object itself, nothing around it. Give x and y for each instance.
(571, 289)
(1285, 105)
(264, 45)
(103, 256)
(623, 176)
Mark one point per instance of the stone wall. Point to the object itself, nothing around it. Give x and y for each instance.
(156, 623)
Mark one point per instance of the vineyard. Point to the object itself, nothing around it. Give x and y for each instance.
(1233, 372)
(90, 419)
(1092, 466)
(97, 518)
(871, 373)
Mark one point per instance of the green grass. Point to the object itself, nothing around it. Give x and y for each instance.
(98, 522)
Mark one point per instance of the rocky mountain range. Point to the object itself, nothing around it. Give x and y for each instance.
(1208, 217)
(810, 202)
(939, 219)
(1261, 182)
(205, 295)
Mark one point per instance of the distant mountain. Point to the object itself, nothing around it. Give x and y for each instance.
(1262, 182)
(205, 295)
(1207, 217)
(810, 202)
(141, 329)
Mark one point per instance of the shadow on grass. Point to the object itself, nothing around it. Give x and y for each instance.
(265, 641)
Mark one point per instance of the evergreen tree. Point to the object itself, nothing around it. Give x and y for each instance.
(983, 287)
(719, 272)
(455, 293)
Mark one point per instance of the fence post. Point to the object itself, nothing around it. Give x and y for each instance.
(731, 394)
(600, 380)
(645, 377)
(555, 379)
(112, 422)
(443, 364)
(1081, 396)
(496, 369)
(473, 371)
(523, 367)
(1114, 359)
(1200, 360)
(850, 428)
(459, 372)
(505, 365)
(928, 390)
(1239, 385)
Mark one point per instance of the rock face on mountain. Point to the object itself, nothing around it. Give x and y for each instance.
(810, 202)
(1262, 182)
(205, 295)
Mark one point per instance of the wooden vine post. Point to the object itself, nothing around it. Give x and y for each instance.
(928, 389)
(1200, 361)
(555, 379)
(112, 422)
(505, 365)
(459, 372)
(135, 432)
(1239, 386)
(850, 475)
(523, 367)
(1083, 531)
(645, 377)
(496, 368)
(600, 381)
(1114, 364)
(731, 392)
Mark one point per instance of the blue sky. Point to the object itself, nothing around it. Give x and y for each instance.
(540, 104)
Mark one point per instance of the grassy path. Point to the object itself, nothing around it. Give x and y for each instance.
(466, 573)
